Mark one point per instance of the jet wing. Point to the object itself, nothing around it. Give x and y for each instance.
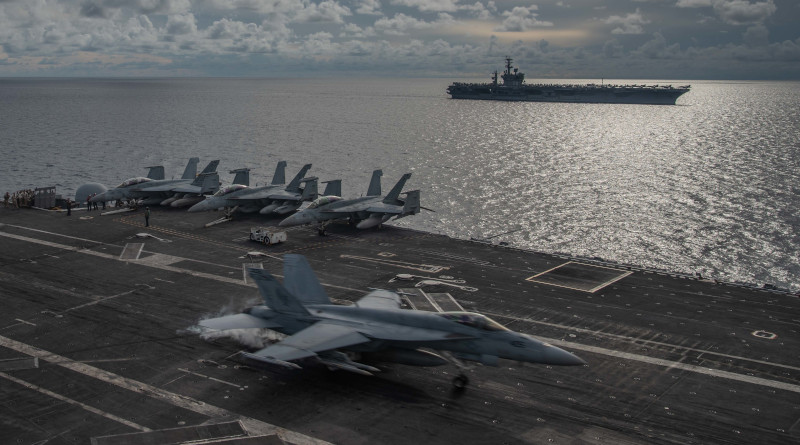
(380, 299)
(257, 194)
(188, 189)
(317, 338)
(357, 207)
(159, 188)
(286, 196)
(380, 207)
(238, 321)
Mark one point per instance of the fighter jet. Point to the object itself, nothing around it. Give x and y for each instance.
(253, 199)
(155, 191)
(374, 329)
(364, 212)
(187, 196)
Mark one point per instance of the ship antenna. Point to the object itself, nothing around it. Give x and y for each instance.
(508, 64)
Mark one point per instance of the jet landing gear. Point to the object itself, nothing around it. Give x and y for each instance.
(321, 229)
(460, 381)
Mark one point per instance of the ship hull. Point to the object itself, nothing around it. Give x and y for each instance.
(638, 95)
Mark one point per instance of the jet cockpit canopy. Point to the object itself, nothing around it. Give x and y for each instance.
(322, 200)
(229, 189)
(133, 181)
(474, 320)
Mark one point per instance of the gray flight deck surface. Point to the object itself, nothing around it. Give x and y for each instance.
(95, 345)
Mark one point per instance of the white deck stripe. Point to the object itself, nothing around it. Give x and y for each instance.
(151, 261)
(75, 402)
(178, 400)
(674, 365)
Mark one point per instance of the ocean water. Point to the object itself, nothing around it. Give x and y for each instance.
(708, 186)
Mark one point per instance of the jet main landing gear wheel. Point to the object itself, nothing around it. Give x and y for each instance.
(460, 382)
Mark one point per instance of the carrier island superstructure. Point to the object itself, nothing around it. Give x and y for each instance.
(514, 88)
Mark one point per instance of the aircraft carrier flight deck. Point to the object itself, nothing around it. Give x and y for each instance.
(98, 345)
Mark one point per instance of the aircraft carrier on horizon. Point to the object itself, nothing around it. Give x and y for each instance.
(514, 88)
(97, 344)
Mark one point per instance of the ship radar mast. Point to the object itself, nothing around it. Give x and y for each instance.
(511, 76)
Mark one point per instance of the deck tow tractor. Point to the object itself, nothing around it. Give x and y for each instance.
(266, 236)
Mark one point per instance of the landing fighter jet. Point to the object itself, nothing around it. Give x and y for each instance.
(253, 199)
(373, 329)
(155, 191)
(365, 212)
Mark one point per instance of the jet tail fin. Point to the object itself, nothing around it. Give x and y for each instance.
(211, 167)
(275, 295)
(333, 188)
(300, 280)
(374, 184)
(280, 174)
(242, 176)
(294, 186)
(191, 169)
(391, 198)
(156, 172)
(411, 206)
(310, 190)
(208, 182)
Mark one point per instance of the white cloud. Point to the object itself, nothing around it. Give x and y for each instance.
(351, 30)
(429, 5)
(521, 19)
(148, 6)
(742, 12)
(480, 11)
(657, 48)
(630, 24)
(693, 3)
(368, 7)
(735, 12)
(326, 11)
(401, 24)
(179, 24)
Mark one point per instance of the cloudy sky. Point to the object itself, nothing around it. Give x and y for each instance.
(653, 39)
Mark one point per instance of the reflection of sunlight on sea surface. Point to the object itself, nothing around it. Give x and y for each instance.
(708, 186)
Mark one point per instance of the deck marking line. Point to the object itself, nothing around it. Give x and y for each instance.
(100, 300)
(171, 398)
(156, 265)
(675, 365)
(629, 339)
(209, 378)
(74, 402)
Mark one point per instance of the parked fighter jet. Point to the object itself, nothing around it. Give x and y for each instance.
(156, 191)
(187, 196)
(253, 199)
(373, 329)
(365, 212)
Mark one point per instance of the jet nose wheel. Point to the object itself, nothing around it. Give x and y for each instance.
(460, 382)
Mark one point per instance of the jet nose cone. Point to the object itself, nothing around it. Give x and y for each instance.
(199, 207)
(559, 357)
(290, 221)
